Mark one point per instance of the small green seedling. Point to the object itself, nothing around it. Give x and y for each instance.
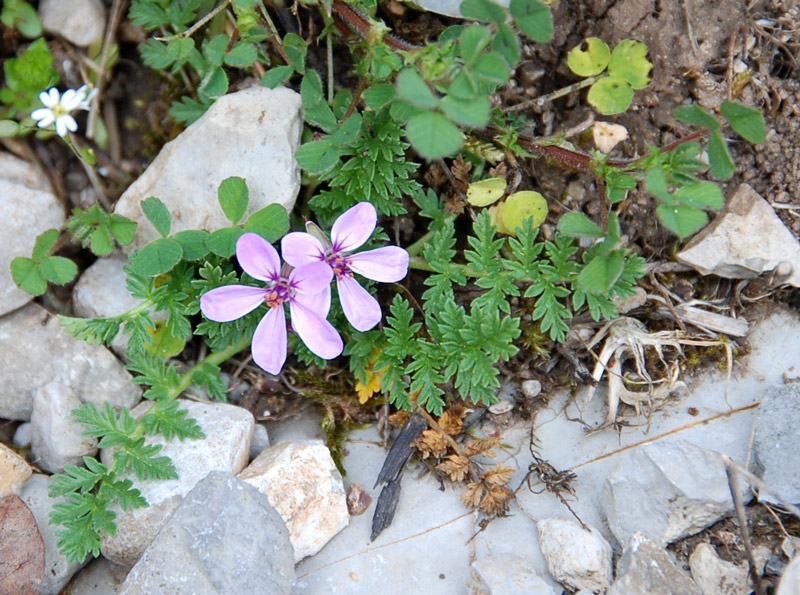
(613, 75)
(32, 274)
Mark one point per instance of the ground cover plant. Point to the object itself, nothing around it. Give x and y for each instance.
(489, 274)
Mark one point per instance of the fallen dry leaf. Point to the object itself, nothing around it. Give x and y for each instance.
(21, 548)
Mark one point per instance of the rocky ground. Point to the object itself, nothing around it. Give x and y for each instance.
(690, 491)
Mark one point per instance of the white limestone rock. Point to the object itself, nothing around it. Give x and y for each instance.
(101, 292)
(27, 208)
(576, 557)
(506, 574)
(645, 567)
(228, 430)
(252, 134)
(81, 22)
(35, 351)
(747, 239)
(301, 481)
(14, 471)
(790, 581)
(57, 569)
(56, 438)
(666, 491)
(714, 576)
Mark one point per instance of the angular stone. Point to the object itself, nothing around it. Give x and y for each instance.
(35, 351)
(645, 567)
(56, 438)
(301, 481)
(577, 558)
(101, 292)
(228, 430)
(253, 134)
(260, 441)
(25, 212)
(224, 538)
(790, 581)
(98, 577)
(666, 491)
(57, 569)
(714, 576)
(80, 21)
(19, 171)
(506, 574)
(776, 443)
(14, 471)
(747, 239)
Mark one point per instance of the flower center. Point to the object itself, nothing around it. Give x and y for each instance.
(277, 295)
(340, 265)
(59, 110)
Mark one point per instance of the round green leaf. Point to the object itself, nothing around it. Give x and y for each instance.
(469, 112)
(44, 244)
(702, 195)
(599, 275)
(681, 219)
(275, 76)
(533, 18)
(506, 43)
(433, 135)
(8, 128)
(628, 61)
(719, 157)
(164, 343)
(748, 122)
(521, 206)
(486, 192)
(242, 54)
(157, 257)
(102, 243)
(579, 225)
(233, 198)
(473, 41)
(223, 241)
(411, 87)
(317, 157)
(590, 58)
(158, 214)
(610, 95)
(194, 243)
(58, 270)
(271, 223)
(492, 67)
(215, 83)
(696, 116)
(483, 10)
(379, 95)
(122, 228)
(27, 276)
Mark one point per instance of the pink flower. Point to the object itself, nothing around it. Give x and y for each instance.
(303, 288)
(349, 231)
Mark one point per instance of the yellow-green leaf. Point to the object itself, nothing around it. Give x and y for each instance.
(486, 192)
(521, 206)
(589, 58)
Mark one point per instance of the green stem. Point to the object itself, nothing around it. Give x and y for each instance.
(415, 248)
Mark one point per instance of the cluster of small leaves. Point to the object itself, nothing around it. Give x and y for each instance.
(20, 15)
(217, 50)
(26, 76)
(97, 231)
(32, 274)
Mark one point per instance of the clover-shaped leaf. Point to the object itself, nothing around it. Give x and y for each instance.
(610, 95)
(521, 206)
(628, 61)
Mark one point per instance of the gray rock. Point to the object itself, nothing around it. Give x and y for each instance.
(260, 441)
(22, 437)
(666, 491)
(577, 558)
(647, 568)
(57, 570)
(531, 388)
(302, 483)
(14, 471)
(36, 351)
(224, 538)
(23, 173)
(506, 574)
(80, 21)
(747, 239)
(715, 576)
(26, 212)
(98, 577)
(56, 438)
(790, 581)
(252, 134)
(228, 430)
(776, 443)
(101, 292)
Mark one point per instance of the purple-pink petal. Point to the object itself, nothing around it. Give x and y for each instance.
(269, 341)
(257, 257)
(311, 278)
(299, 248)
(353, 227)
(316, 332)
(360, 308)
(319, 302)
(224, 304)
(387, 264)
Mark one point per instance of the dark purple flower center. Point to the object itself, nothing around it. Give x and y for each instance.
(278, 294)
(340, 265)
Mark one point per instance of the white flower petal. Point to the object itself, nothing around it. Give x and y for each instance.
(45, 117)
(49, 98)
(71, 99)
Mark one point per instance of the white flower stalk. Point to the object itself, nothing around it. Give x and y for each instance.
(58, 108)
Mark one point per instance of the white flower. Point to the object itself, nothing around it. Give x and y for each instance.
(87, 93)
(58, 108)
